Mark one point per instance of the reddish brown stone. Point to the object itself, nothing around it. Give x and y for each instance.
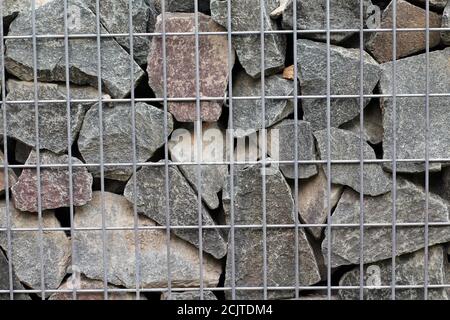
(288, 73)
(181, 65)
(12, 176)
(408, 16)
(55, 192)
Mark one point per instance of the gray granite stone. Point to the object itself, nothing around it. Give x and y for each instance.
(409, 271)
(182, 5)
(150, 197)
(248, 243)
(118, 136)
(282, 142)
(247, 114)
(26, 248)
(246, 16)
(183, 148)
(51, 62)
(11, 8)
(189, 295)
(5, 281)
(345, 80)
(181, 66)
(311, 15)
(411, 112)
(21, 120)
(121, 245)
(345, 145)
(54, 184)
(410, 208)
(445, 35)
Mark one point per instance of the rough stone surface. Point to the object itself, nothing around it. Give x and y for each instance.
(151, 201)
(411, 111)
(410, 208)
(373, 124)
(118, 136)
(181, 66)
(51, 62)
(12, 178)
(282, 140)
(182, 5)
(4, 281)
(82, 283)
(345, 80)
(409, 270)
(21, 120)
(408, 16)
(278, 12)
(248, 243)
(120, 255)
(312, 201)
(246, 16)
(114, 15)
(445, 35)
(183, 148)
(247, 114)
(55, 191)
(26, 248)
(437, 5)
(189, 295)
(345, 145)
(11, 8)
(311, 15)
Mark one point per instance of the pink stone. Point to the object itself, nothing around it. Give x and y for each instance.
(55, 191)
(181, 65)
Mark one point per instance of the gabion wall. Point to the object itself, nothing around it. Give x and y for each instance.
(225, 149)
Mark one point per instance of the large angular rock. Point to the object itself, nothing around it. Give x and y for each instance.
(11, 8)
(55, 191)
(373, 124)
(21, 120)
(118, 136)
(12, 178)
(445, 35)
(26, 248)
(114, 16)
(408, 16)
(345, 80)
(345, 145)
(312, 201)
(409, 271)
(247, 114)
(410, 208)
(82, 283)
(282, 141)
(311, 15)
(181, 66)
(151, 201)
(120, 254)
(410, 122)
(248, 242)
(51, 62)
(182, 5)
(5, 281)
(246, 16)
(183, 148)
(189, 295)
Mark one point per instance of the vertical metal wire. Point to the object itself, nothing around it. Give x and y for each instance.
(69, 139)
(231, 145)
(264, 144)
(5, 160)
(38, 154)
(329, 222)
(394, 147)
(166, 148)
(427, 150)
(199, 155)
(137, 243)
(102, 167)
(296, 174)
(361, 149)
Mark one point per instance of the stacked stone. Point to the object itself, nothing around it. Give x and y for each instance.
(219, 175)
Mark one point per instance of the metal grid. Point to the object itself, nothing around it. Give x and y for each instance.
(168, 228)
